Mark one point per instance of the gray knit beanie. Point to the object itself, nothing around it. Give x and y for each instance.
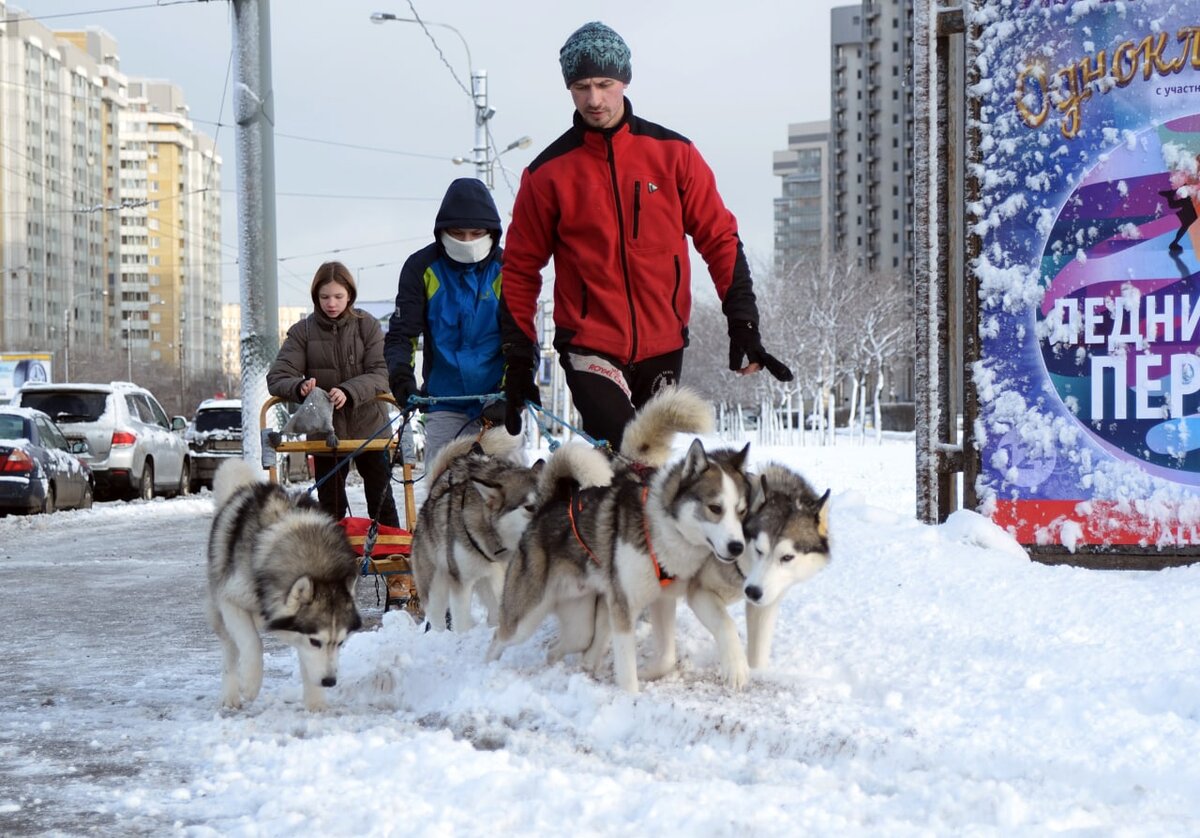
(595, 51)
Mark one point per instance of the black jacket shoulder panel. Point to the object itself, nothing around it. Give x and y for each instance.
(653, 130)
(570, 140)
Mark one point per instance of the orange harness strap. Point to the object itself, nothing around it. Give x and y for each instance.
(575, 506)
(663, 579)
(572, 502)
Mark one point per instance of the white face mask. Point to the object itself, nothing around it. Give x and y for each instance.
(467, 252)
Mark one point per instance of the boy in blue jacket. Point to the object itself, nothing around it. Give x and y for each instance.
(449, 292)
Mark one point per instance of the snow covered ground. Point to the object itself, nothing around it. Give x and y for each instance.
(931, 681)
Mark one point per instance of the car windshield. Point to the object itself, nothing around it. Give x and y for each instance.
(219, 420)
(12, 427)
(67, 407)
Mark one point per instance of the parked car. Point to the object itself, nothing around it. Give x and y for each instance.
(40, 471)
(136, 451)
(213, 436)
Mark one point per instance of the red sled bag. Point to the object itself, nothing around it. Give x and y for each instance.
(389, 541)
(389, 560)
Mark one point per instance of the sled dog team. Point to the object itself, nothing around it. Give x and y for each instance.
(594, 540)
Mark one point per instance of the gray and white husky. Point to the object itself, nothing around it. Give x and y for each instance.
(279, 564)
(653, 526)
(481, 497)
(787, 535)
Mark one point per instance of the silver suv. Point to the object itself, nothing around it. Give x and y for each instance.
(136, 450)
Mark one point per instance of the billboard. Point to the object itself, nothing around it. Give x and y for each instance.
(17, 368)
(1085, 143)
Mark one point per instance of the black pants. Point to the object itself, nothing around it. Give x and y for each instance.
(607, 394)
(376, 472)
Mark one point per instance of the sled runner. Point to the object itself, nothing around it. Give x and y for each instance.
(391, 546)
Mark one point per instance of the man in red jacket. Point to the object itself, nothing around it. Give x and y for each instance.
(611, 201)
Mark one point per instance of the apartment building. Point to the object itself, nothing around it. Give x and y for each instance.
(109, 206)
(871, 134)
(802, 211)
(170, 293)
(55, 133)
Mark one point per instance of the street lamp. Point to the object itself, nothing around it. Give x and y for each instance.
(128, 345)
(384, 17)
(523, 142)
(68, 316)
(478, 93)
(493, 162)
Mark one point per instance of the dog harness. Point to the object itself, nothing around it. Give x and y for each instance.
(664, 579)
(463, 488)
(575, 507)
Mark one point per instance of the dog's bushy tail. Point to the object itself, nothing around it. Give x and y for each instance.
(495, 442)
(577, 463)
(450, 452)
(674, 410)
(499, 443)
(231, 476)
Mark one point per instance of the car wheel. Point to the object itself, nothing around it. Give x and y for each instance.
(185, 478)
(48, 505)
(89, 495)
(146, 487)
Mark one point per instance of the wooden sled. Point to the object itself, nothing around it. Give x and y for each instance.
(389, 557)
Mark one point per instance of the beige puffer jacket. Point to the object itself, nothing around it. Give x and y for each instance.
(345, 353)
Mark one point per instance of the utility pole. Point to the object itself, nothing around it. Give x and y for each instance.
(254, 110)
(482, 114)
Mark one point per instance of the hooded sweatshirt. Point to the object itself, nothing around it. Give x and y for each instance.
(454, 306)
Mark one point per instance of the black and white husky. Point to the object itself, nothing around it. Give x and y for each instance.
(621, 545)
(481, 498)
(281, 565)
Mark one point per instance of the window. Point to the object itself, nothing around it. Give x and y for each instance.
(51, 438)
(160, 415)
(131, 403)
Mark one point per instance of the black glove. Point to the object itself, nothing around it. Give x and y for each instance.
(402, 387)
(495, 412)
(744, 341)
(519, 387)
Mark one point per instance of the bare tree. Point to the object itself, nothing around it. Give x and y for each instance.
(887, 336)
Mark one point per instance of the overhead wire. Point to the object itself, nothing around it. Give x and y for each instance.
(441, 55)
(89, 12)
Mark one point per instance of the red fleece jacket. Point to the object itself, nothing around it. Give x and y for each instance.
(612, 208)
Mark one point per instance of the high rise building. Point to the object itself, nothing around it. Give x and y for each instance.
(109, 206)
(54, 269)
(802, 210)
(871, 134)
(170, 232)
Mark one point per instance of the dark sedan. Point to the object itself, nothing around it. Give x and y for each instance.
(40, 471)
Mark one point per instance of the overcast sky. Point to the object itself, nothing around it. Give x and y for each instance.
(730, 76)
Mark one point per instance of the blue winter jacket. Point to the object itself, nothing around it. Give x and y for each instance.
(456, 308)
